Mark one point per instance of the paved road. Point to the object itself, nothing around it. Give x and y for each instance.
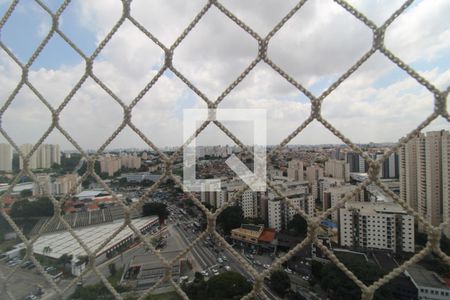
(206, 257)
(19, 284)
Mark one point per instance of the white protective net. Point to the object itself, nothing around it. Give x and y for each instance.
(440, 102)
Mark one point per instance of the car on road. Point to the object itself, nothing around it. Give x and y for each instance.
(27, 265)
(80, 282)
(289, 271)
(38, 291)
(14, 263)
(204, 273)
(219, 260)
(266, 266)
(224, 258)
(227, 268)
(215, 272)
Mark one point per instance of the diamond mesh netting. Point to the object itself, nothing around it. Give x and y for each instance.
(367, 292)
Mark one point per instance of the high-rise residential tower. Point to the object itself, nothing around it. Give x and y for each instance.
(337, 169)
(5, 157)
(295, 170)
(43, 158)
(424, 175)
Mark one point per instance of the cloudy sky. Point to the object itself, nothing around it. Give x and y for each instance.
(378, 103)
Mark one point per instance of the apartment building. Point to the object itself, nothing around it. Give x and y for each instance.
(332, 195)
(295, 170)
(111, 164)
(130, 161)
(43, 158)
(248, 200)
(384, 226)
(60, 185)
(326, 182)
(356, 162)
(390, 167)
(424, 171)
(337, 169)
(279, 212)
(5, 157)
(313, 174)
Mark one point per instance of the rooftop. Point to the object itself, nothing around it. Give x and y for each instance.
(252, 227)
(64, 243)
(423, 277)
(379, 207)
(91, 194)
(268, 235)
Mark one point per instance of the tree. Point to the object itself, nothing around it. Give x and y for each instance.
(26, 193)
(15, 162)
(4, 179)
(230, 218)
(112, 269)
(228, 285)
(147, 183)
(64, 260)
(291, 295)
(445, 244)
(197, 288)
(298, 225)
(42, 207)
(420, 238)
(156, 209)
(82, 259)
(339, 286)
(316, 269)
(189, 202)
(280, 282)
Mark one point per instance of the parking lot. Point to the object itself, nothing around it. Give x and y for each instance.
(19, 284)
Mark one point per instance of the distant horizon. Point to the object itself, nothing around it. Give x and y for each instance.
(165, 148)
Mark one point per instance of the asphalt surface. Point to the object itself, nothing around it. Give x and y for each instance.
(19, 283)
(181, 233)
(206, 257)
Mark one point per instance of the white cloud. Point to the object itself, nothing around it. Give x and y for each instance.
(316, 46)
(422, 32)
